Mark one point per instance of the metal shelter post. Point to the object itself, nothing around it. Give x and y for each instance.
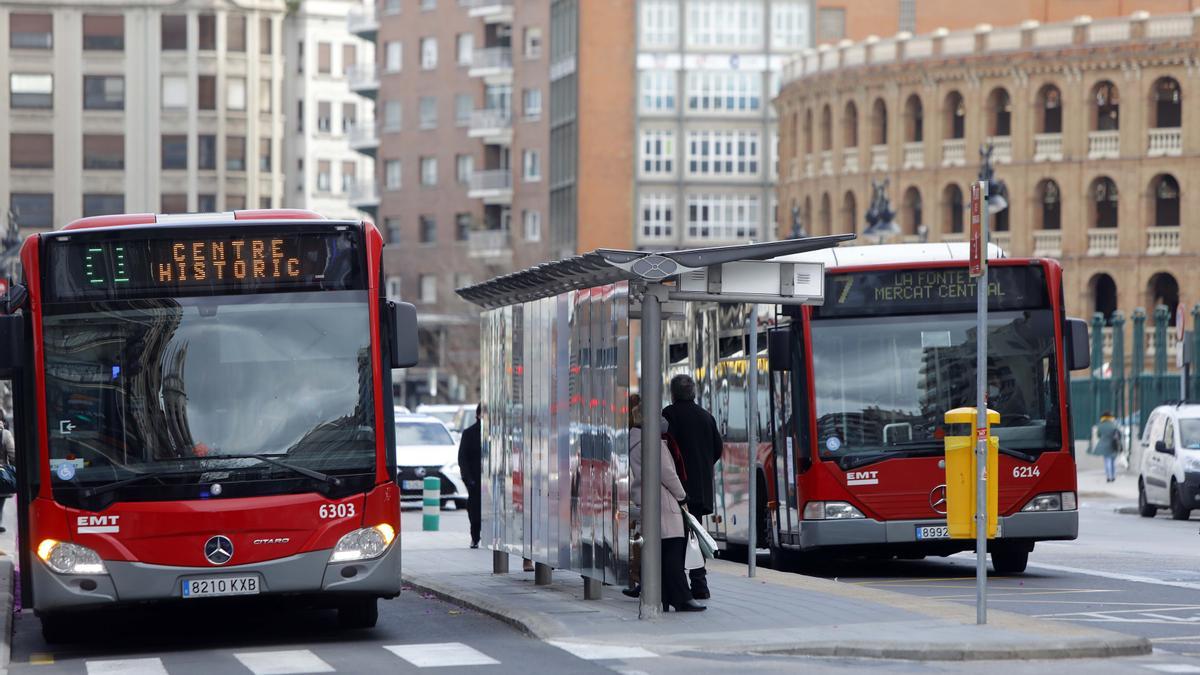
(981, 420)
(752, 437)
(651, 381)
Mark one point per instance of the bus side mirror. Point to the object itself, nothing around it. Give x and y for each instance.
(779, 349)
(403, 327)
(12, 345)
(1080, 356)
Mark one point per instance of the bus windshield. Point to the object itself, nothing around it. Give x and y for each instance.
(883, 384)
(170, 386)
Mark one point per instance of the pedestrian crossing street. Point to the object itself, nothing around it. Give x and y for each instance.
(294, 661)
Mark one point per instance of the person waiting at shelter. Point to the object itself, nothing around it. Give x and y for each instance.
(470, 448)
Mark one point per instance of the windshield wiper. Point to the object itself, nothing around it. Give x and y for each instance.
(87, 493)
(1018, 454)
(333, 481)
(904, 449)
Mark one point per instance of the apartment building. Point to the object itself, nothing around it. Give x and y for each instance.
(331, 137)
(139, 108)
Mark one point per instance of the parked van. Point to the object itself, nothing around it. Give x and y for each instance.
(1169, 461)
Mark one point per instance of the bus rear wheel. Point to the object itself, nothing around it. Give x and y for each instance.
(358, 613)
(54, 629)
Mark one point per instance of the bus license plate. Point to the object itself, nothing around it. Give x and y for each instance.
(412, 484)
(218, 586)
(932, 532)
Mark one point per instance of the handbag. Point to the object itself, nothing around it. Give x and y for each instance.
(708, 546)
(694, 557)
(8, 480)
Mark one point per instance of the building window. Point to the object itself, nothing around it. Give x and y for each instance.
(1104, 295)
(235, 153)
(349, 176)
(1168, 104)
(914, 120)
(235, 202)
(723, 153)
(658, 91)
(1104, 201)
(349, 58)
(429, 171)
(235, 93)
(103, 32)
(1108, 106)
(428, 112)
(429, 53)
(1166, 201)
(32, 209)
(391, 227)
(427, 5)
(103, 204)
(464, 105)
(206, 203)
(30, 31)
(724, 24)
(206, 151)
(908, 15)
(174, 202)
(103, 151)
(1049, 102)
(207, 32)
(392, 118)
(428, 287)
(531, 160)
(464, 166)
(789, 25)
(393, 52)
(324, 116)
(264, 35)
(657, 216)
(533, 225)
(913, 215)
(723, 217)
(391, 174)
(31, 151)
(206, 92)
(1051, 203)
(498, 97)
(956, 116)
(349, 117)
(658, 152)
(31, 91)
(174, 92)
(464, 47)
(235, 33)
(174, 32)
(174, 151)
(532, 103)
(264, 154)
(392, 7)
(462, 226)
(393, 288)
(264, 202)
(264, 96)
(428, 229)
(660, 23)
(723, 91)
(103, 92)
(533, 42)
(831, 24)
(953, 197)
(1000, 111)
(324, 175)
(324, 58)
(850, 125)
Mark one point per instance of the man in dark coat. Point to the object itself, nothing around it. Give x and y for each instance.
(469, 449)
(695, 430)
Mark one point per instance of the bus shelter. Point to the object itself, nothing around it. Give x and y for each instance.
(558, 361)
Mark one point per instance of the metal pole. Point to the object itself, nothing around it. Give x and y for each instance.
(981, 420)
(752, 437)
(652, 377)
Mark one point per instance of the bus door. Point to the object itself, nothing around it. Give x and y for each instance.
(785, 519)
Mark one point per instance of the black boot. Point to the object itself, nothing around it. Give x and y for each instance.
(690, 606)
(635, 592)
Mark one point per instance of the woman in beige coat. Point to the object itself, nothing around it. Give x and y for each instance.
(675, 592)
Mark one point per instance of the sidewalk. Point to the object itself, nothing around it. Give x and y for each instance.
(776, 612)
(1091, 479)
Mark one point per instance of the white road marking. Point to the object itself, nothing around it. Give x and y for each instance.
(127, 667)
(284, 662)
(439, 654)
(1173, 667)
(595, 652)
(1118, 576)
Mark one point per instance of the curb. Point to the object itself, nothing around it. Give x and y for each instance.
(6, 611)
(533, 625)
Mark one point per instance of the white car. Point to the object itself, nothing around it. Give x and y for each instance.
(425, 448)
(1169, 461)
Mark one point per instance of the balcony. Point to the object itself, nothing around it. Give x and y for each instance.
(1047, 243)
(914, 156)
(364, 195)
(826, 162)
(810, 166)
(491, 11)
(1165, 142)
(850, 160)
(363, 79)
(1104, 144)
(1001, 149)
(363, 22)
(1001, 239)
(954, 152)
(1103, 241)
(363, 138)
(879, 158)
(493, 64)
(494, 126)
(1047, 147)
(1163, 240)
(493, 246)
(493, 186)
(1151, 342)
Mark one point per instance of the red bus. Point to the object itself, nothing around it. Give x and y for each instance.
(204, 409)
(852, 395)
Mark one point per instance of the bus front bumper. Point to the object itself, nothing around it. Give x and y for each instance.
(308, 573)
(1026, 526)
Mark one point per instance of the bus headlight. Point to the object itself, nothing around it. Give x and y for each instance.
(1052, 501)
(66, 558)
(363, 544)
(831, 511)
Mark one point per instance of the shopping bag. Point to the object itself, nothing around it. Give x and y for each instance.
(8, 480)
(708, 546)
(1123, 461)
(693, 558)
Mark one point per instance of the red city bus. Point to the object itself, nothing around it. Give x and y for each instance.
(852, 395)
(204, 409)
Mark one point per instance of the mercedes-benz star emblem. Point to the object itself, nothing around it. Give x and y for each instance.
(937, 499)
(420, 471)
(218, 550)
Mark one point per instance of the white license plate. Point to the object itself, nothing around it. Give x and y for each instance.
(217, 586)
(932, 532)
(412, 484)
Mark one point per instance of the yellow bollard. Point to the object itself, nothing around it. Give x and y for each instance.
(961, 476)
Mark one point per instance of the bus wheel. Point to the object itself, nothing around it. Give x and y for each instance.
(1009, 560)
(358, 613)
(54, 629)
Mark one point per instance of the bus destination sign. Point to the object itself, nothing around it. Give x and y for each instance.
(931, 290)
(204, 263)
